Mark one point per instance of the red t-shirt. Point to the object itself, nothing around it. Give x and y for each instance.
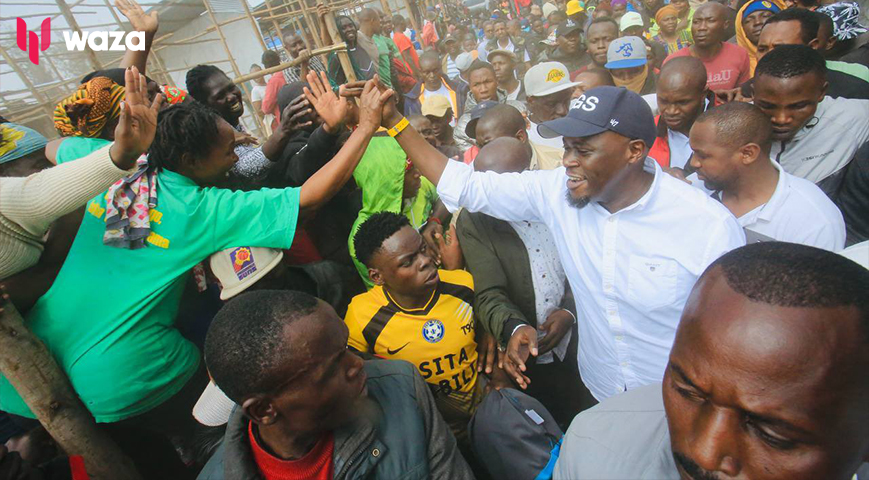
(316, 465)
(727, 70)
(270, 99)
(403, 43)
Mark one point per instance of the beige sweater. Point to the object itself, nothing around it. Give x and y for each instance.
(29, 205)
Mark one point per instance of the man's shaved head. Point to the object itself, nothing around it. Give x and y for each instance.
(368, 14)
(499, 121)
(767, 374)
(715, 8)
(683, 72)
(739, 123)
(502, 155)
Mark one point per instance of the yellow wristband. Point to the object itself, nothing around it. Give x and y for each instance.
(398, 128)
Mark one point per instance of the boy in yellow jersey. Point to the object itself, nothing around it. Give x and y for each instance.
(417, 313)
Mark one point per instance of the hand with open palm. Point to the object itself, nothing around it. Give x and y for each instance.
(332, 108)
(137, 124)
(139, 20)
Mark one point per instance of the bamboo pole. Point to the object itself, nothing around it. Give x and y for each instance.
(292, 63)
(34, 373)
(23, 76)
(411, 18)
(274, 23)
(343, 56)
(254, 25)
(66, 11)
(256, 115)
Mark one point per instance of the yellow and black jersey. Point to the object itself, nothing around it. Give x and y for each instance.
(438, 338)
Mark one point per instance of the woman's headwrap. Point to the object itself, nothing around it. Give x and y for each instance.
(17, 141)
(174, 95)
(844, 15)
(773, 6)
(87, 111)
(664, 11)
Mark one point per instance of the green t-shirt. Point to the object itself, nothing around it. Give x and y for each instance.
(109, 317)
(384, 64)
(854, 69)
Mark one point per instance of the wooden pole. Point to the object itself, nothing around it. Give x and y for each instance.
(67, 14)
(254, 25)
(292, 63)
(256, 115)
(42, 384)
(411, 18)
(23, 76)
(385, 5)
(274, 23)
(343, 56)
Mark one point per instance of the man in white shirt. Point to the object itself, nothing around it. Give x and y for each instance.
(632, 239)
(731, 153)
(815, 137)
(682, 95)
(548, 90)
(767, 379)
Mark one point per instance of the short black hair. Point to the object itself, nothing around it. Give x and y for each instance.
(479, 64)
(244, 346)
(196, 78)
(787, 61)
(809, 22)
(288, 93)
(604, 19)
(185, 128)
(374, 231)
(271, 59)
(739, 123)
(793, 275)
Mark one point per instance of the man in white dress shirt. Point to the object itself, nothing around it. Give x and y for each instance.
(633, 240)
(731, 153)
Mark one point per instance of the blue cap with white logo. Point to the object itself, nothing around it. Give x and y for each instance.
(604, 108)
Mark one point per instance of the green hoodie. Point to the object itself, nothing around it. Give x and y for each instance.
(380, 175)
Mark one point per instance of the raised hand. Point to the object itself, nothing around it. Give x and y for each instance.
(139, 20)
(137, 124)
(293, 118)
(331, 108)
(374, 102)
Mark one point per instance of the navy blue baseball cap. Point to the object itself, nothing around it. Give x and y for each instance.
(604, 108)
(477, 112)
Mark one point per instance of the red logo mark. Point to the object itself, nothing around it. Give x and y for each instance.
(35, 44)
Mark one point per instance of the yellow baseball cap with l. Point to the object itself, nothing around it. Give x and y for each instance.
(436, 105)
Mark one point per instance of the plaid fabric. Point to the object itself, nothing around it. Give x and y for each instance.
(293, 74)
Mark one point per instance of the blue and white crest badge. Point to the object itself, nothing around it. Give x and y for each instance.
(433, 331)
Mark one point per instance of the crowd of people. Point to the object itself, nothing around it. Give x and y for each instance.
(614, 239)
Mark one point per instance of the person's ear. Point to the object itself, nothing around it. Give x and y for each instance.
(260, 409)
(749, 153)
(637, 151)
(375, 276)
(823, 91)
(522, 136)
(814, 43)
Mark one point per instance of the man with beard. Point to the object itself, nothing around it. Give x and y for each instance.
(766, 379)
(631, 238)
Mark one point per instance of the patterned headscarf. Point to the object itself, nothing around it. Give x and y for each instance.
(87, 111)
(844, 15)
(17, 141)
(174, 95)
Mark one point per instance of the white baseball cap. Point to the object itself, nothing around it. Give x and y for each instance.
(626, 52)
(240, 267)
(547, 78)
(463, 61)
(630, 19)
(548, 8)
